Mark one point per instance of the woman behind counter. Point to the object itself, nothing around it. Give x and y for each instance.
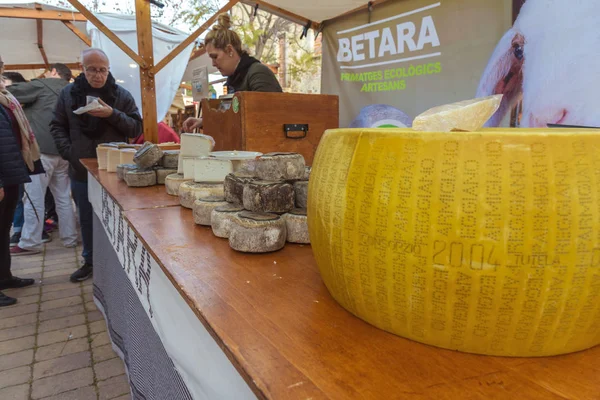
(244, 73)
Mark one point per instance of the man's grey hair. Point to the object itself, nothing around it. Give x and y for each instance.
(93, 50)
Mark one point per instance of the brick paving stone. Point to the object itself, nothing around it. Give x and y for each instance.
(21, 301)
(58, 255)
(47, 288)
(36, 276)
(19, 264)
(103, 353)
(16, 345)
(10, 361)
(33, 270)
(15, 376)
(108, 369)
(61, 312)
(60, 262)
(94, 316)
(100, 339)
(17, 309)
(126, 397)
(60, 323)
(88, 289)
(20, 392)
(23, 292)
(58, 280)
(60, 365)
(31, 259)
(91, 306)
(98, 326)
(18, 321)
(88, 282)
(84, 393)
(54, 267)
(60, 349)
(62, 335)
(113, 387)
(59, 303)
(88, 297)
(58, 272)
(53, 385)
(61, 294)
(17, 332)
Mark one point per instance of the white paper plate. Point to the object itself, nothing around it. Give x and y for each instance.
(235, 155)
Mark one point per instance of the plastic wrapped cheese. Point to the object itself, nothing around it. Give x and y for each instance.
(485, 242)
(467, 115)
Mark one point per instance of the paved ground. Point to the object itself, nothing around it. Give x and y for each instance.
(53, 342)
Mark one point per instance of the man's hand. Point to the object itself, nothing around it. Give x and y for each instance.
(104, 112)
(1, 194)
(192, 123)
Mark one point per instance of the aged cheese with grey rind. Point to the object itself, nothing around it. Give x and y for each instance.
(280, 166)
(204, 207)
(244, 167)
(172, 183)
(234, 187)
(191, 191)
(148, 156)
(138, 178)
(162, 173)
(170, 158)
(297, 226)
(307, 172)
(301, 191)
(257, 232)
(124, 168)
(268, 197)
(222, 217)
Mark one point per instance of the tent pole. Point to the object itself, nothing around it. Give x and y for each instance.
(40, 37)
(147, 82)
(77, 32)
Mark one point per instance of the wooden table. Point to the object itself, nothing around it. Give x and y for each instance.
(276, 322)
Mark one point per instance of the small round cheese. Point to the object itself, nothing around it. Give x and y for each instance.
(301, 191)
(162, 173)
(296, 224)
(268, 197)
(148, 156)
(280, 166)
(122, 169)
(140, 178)
(172, 183)
(257, 232)
(170, 159)
(203, 209)
(222, 217)
(191, 191)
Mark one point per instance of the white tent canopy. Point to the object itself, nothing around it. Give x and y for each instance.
(314, 10)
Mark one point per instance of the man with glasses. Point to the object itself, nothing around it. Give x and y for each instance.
(77, 136)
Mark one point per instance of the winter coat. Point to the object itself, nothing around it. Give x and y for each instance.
(13, 170)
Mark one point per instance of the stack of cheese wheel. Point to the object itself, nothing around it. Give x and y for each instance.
(485, 242)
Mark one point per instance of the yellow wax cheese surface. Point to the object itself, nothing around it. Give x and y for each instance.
(484, 242)
(467, 115)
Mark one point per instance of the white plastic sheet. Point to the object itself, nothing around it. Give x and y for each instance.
(126, 71)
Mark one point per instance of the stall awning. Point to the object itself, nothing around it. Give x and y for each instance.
(313, 10)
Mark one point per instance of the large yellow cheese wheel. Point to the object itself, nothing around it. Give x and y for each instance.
(485, 242)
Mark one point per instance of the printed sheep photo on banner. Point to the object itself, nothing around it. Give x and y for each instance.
(549, 59)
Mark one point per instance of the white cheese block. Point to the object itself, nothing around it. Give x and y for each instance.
(148, 156)
(162, 173)
(191, 191)
(257, 232)
(280, 166)
(126, 156)
(204, 207)
(102, 153)
(296, 224)
(172, 183)
(113, 158)
(140, 178)
(194, 145)
(188, 167)
(222, 217)
(301, 191)
(268, 197)
(234, 188)
(122, 169)
(208, 169)
(170, 159)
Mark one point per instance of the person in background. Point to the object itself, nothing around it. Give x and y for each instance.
(39, 97)
(18, 153)
(77, 136)
(19, 218)
(165, 135)
(244, 73)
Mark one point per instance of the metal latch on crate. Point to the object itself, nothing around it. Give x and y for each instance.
(295, 131)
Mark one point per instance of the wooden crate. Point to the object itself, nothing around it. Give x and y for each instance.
(257, 121)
